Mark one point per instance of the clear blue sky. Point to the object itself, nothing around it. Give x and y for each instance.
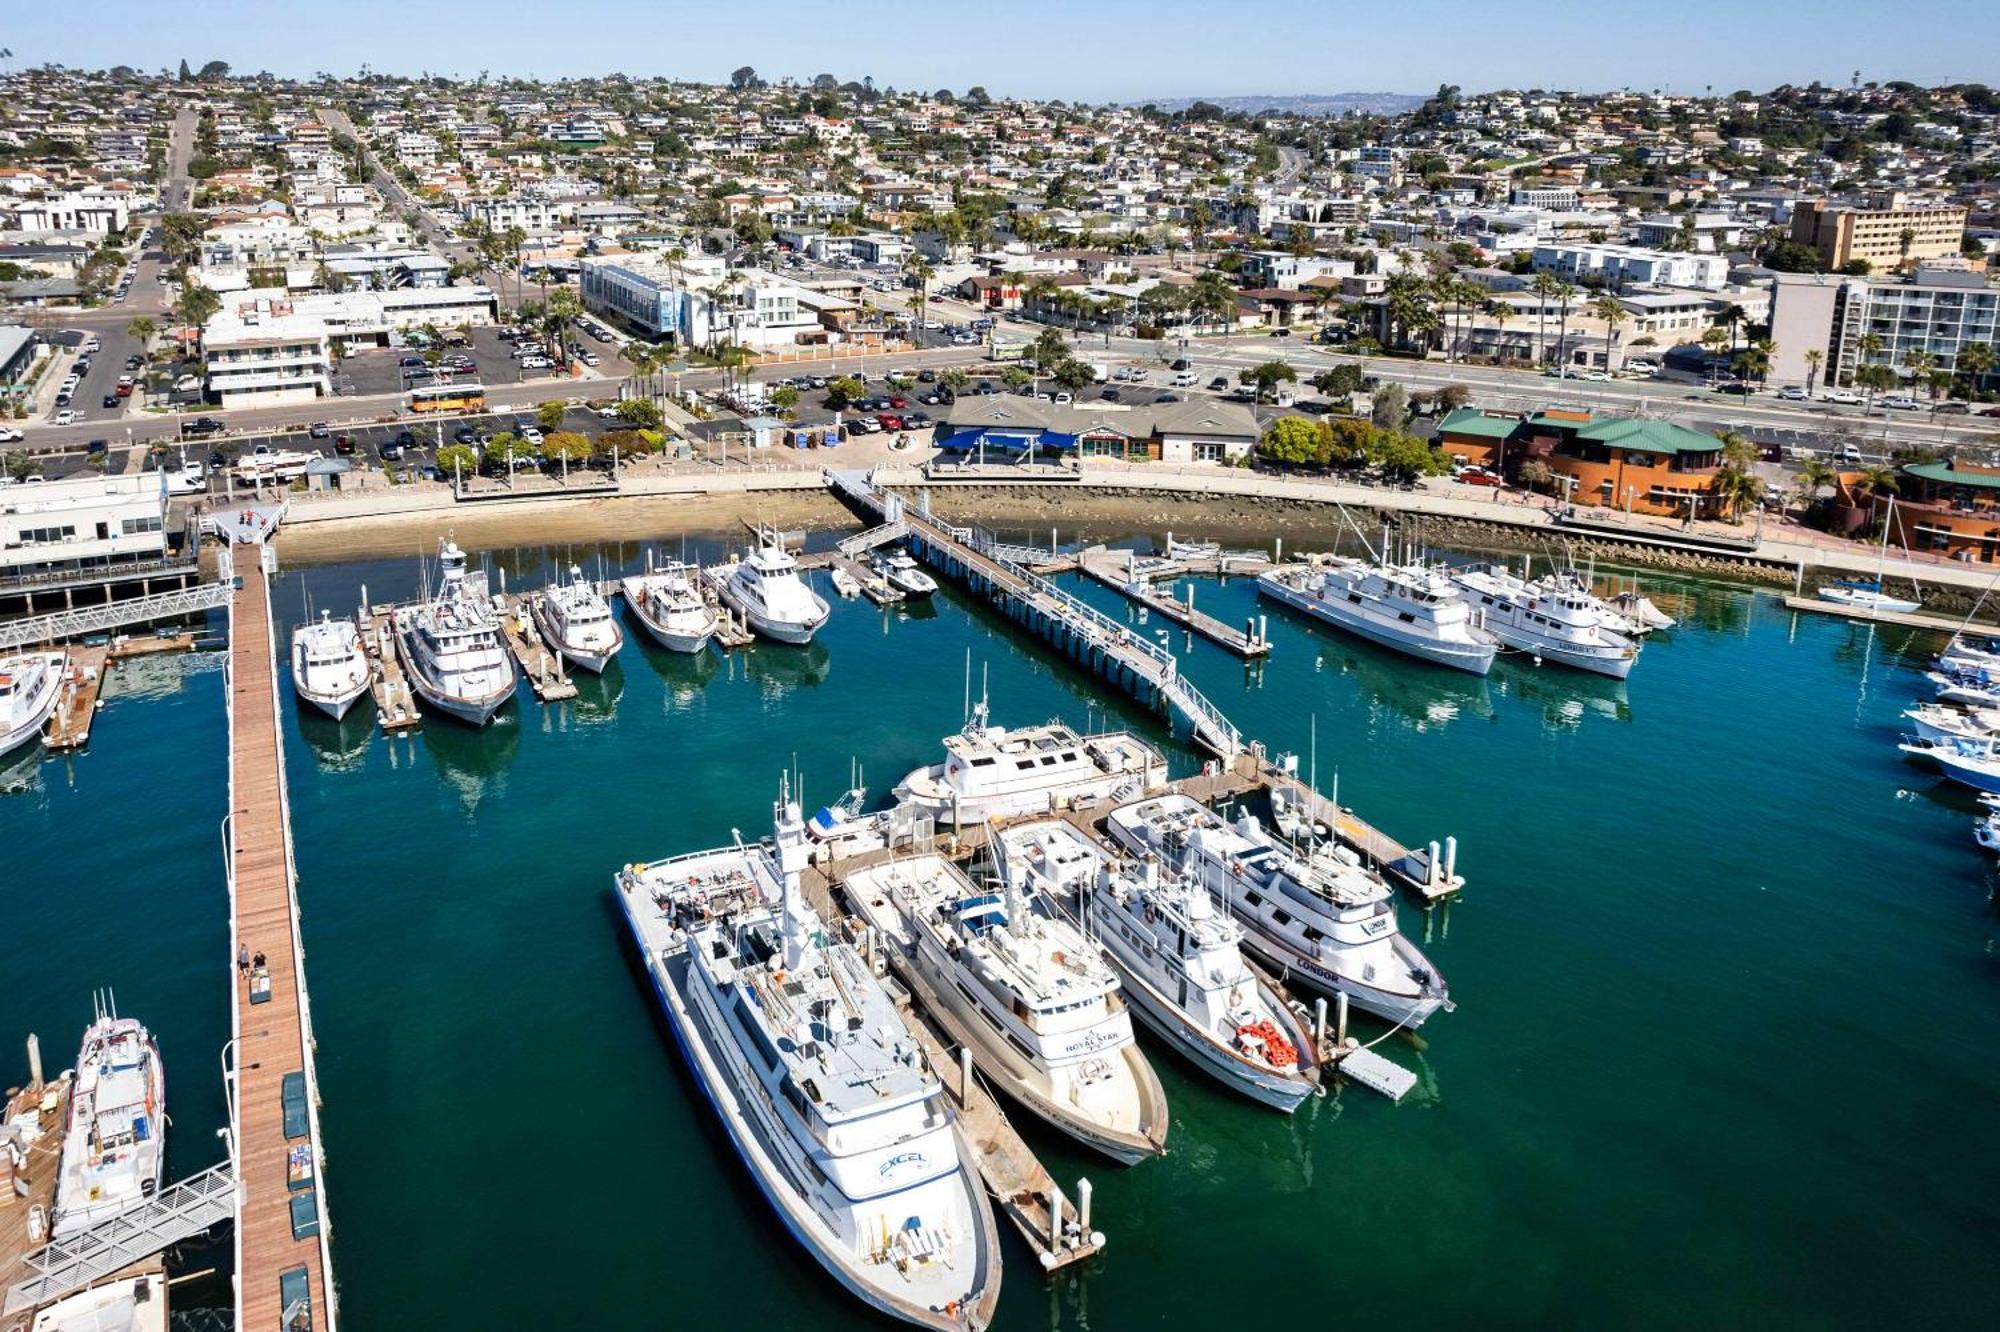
(1090, 50)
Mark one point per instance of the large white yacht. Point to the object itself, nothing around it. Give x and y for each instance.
(765, 589)
(450, 644)
(990, 771)
(329, 664)
(824, 1093)
(1407, 608)
(1177, 956)
(30, 684)
(671, 608)
(1322, 919)
(1556, 621)
(114, 1145)
(575, 620)
(1026, 993)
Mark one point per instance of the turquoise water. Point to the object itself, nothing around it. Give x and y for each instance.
(1725, 975)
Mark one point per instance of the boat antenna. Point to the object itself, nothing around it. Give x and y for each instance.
(966, 715)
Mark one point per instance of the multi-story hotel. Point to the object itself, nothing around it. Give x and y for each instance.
(1889, 233)
(1936, 311)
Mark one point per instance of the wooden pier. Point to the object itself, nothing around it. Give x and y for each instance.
(28, 1190)
(1120, 572)
(542, 664)
(1944, 624)
(282, 1246)
(76, 707)
(395, 703)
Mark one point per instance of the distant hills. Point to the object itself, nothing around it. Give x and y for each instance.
(1304, 104)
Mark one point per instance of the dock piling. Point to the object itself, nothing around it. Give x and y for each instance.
(1340, 1018)
(34, 1060)
(1083, 1203)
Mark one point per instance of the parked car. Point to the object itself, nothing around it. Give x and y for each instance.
(111, 399)
(891, 422)
(1792, 393)
(201, 425)
(1479, 476)
(9, 435)
(97, 446)
(1954, 409)
(1902, 402)
(66, 417)
(318, 430)
(1841, 397)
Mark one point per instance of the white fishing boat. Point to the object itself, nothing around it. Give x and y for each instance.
(1321, 919)
(329, 664)
(1967, 689)
(993, 772)
(1177, 959)
(670, 607)
(114, 1144)
(1192, 550)
(450, 644)
(764, 588)
(1934, 721)
(824, 1094)
(575, 619)
(845, 583)
(903, 573)
(30, 685)
(1025, 993)
(1408, 609)
(1970, 652)
(1973, 762)
(1555, 621)
(123, 1304)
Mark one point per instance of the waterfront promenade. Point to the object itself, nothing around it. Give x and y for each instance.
(283, 1266)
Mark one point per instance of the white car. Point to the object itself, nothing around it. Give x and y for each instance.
(1902, 402)
(1792, 393)
(9, 435)
(1841, 397)
(533, 434)
(68, 416)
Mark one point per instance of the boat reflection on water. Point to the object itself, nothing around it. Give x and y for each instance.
(780, 672)
(158, 676)
(1394, 686)
(597, 695)
(338, 746)
(685, 673)
(914, 608)
(21, 771)
(1564, 697)
(474, 763)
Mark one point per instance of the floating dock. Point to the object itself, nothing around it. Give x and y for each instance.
(76, 708)
(283, 1258)
(395, 704)
(1124, 573)
(1944, 624)
(1363, 1065)
(28, 1183)
(542, 664)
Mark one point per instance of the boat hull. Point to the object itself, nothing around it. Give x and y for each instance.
(796, 633)
(673, 640)
(335, 706)
(1867, 603)
(1200, 1046)
(473, 711)
(35, 718)
(668, 976)
(1474, 658)
(1617, 665)
(592, 659)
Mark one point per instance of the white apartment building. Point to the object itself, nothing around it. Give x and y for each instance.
(694, 304)
(502, 211)
(99, 211)
(265, 347)
(71, 522)
(416, 150)
(1557, 198)
(1631, 265)
(1935, 312)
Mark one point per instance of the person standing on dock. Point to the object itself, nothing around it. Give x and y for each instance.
(243, 959)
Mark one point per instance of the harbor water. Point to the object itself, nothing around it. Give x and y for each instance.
(1725, 973)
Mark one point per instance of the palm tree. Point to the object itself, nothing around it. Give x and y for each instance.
(1879, 478)
(1565, 293)
(1973, 361)
(1876, 378)
(1733, 487)
(141, 331)
(1814, 357)
(1499, 312)
(1612, 311)
(1544, 287)
(1917, 364)
(1754, 361)
(1871, 347)
(1815, 476)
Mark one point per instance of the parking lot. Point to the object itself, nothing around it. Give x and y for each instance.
(380, 370)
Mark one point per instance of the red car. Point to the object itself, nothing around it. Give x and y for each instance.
(891, 422)
(899, 402)
(1479, 476)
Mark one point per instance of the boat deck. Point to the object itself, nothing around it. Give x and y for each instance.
(273, 1038)
(542, 664)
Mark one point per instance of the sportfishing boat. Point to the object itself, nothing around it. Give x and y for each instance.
(329, 664)
(990, 771)
(1176, 956)
(1973, 762)
(1556, 621)
(1026, 993)
(1936, 722)
(901, 569)
(575, 619)
(766, 590)
(450, 644)
(1321, 918)
(1406, 608)
(114, 1145)
(823, 1092)
(671, 608)
(30, 684)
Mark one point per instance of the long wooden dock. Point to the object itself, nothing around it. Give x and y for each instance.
(283, 1260)
(76, 708)
(1944, 624)
(28, 1189)
(542, 664)
(1119, 571)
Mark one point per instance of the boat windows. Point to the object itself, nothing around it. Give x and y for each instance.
(984, 762)
(1281, 916)
(1406, 617)
(1026, 764)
